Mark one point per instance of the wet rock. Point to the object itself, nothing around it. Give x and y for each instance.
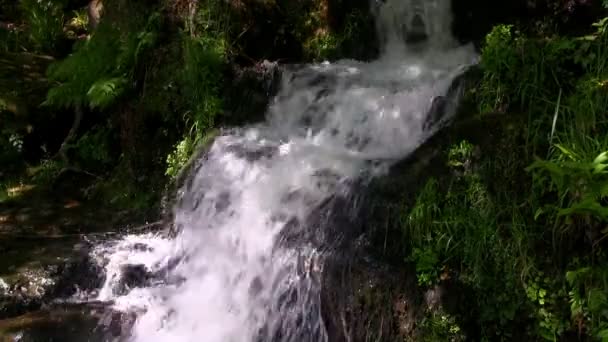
(25, 292)
(32, 286)
(363, 300)
(69, 323)
(364, 297)
(250, 91)
(12, 305)
(79, 273)
(133, 276)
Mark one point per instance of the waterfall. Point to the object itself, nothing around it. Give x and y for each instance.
(247, 261)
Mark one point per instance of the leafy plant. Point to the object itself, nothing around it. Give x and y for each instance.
(427, 266)
(589, 299)
(185, 150)
(93, 148)
(439, 326)
(179, 157)
(45, 20)
(581, 186)
(523, 72)
(102, 68)
(201, 80)
(551, 324)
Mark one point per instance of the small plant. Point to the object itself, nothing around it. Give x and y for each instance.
(322, 46)
(460, 154)
(439, 327)
(523, 73)
(102, 68)
(588, 297)
(551, 324)
(45, 20)
(93, 148)
(184, 150)
(427, 266)
(581, 186)
(177, 159)
(79, 20)
(46, 172)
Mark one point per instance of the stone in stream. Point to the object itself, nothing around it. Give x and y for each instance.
(69, 323)
(30, 286)
(133, 276)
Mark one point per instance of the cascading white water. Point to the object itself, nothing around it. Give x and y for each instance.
(241, 268)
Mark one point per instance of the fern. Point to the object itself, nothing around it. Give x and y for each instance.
(104, 92)
(102, 68)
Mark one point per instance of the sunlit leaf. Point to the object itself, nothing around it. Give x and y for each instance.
(104, 92)
(602, 158)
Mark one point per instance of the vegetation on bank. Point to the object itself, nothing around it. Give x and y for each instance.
(129, 97)
(519, 225)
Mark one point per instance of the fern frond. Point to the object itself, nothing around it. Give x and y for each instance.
(65, 95)
(104, 92)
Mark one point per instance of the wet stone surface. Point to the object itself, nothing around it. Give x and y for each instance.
(45, 244)
(93, 322)
(31, 286)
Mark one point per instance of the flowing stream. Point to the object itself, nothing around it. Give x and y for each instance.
(247, 261)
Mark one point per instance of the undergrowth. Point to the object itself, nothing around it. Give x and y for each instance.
(523, 223)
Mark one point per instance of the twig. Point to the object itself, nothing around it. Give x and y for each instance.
(147, 226)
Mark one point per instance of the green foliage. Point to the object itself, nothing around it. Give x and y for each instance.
(321, 43)
(471, 223)
(204, 51)
(93, 148)
(426, 261)
(588, 299)
(547, 306)
(102, 68)
(120, 190)
(179, 157)
(11, 39)
(214, 21)
(104, 92)
(92, 61)
(459, 229)
(46, 172)
(522, 72)
(79, 20)
(322, 46)
(45, 20)
(460, 154)
(200, 80)
(576, 169)
(581, 186)
(185, 150)
(439, 327)
(543, 205)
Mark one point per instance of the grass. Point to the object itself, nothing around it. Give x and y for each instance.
(523, 211)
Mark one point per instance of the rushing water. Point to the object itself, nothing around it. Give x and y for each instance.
(247, 261)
